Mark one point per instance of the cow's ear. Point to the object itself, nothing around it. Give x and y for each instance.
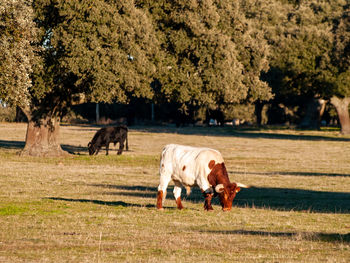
(219, 188)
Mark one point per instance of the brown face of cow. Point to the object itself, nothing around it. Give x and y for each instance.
(227, 194)
(224, 188)
(226, 191)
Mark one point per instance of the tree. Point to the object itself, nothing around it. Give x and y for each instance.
(201, 53)
(304, 42)
(301, 35)
(91, 51)
(341, 61)
(211, 55)
(18, 34)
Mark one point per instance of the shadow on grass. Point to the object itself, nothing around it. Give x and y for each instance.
(11, 144)
(124, 190)
(75, 149)
(266, 135)
(237, 132)
(19, 145)
(294, 199)
(310, 236)
(207, 131)
(283, 199)
(292, 173)
(243, 132)
(81, 150)
(100, 202)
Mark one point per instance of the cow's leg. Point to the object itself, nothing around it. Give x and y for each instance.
(206, 190)
(121, 147)
(208, 195)
(177, 195)
(163, 185)
(107, 148)
(97, 150)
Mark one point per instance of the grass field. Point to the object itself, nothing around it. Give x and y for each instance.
(102, 208)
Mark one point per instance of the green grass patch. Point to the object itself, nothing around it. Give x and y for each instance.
(143, 160)
(33, 208)
(12, 210)
(125, 160)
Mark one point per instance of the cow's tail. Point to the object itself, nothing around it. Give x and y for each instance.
(162, 156)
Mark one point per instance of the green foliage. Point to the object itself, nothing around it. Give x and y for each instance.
(243, 112)
(7, 114)
(203, 56)
(303, 47)
(102, 49)
(194, 54)
(17, 51)
(308, 41)
(341, 53)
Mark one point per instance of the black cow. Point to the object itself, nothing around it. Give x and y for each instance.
(105, 136)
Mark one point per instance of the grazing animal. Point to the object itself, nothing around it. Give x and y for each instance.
(105, 136)
(196, 166)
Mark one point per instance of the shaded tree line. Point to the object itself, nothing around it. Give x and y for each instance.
(197, 56)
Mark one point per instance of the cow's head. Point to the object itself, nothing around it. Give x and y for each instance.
(91, 148)
(227, 193)
(225, 190)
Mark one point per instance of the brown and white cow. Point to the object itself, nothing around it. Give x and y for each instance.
(196, 166)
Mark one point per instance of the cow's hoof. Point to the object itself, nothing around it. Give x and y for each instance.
(160, 209)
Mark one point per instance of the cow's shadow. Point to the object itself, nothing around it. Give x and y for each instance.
(284, 199)
(76, 150)
(98, 202)
(106, 203)
(294, 199)
(310, 236)
(292, 173)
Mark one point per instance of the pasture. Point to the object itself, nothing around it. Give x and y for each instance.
(83, 208)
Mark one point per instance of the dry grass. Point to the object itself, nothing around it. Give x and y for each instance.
(102, 208)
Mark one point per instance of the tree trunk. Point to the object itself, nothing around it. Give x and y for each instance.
(152, 111)
(97, 113)
(42, 138)
(314, 111)
(258, 112)
(342, 107)
(20, 116)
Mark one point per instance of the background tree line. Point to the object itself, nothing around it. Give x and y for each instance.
(188, 58)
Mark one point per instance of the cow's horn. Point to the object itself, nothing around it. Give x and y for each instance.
(219, 188)
(242, 185)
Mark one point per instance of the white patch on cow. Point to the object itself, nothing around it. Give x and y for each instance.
(219, 188)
